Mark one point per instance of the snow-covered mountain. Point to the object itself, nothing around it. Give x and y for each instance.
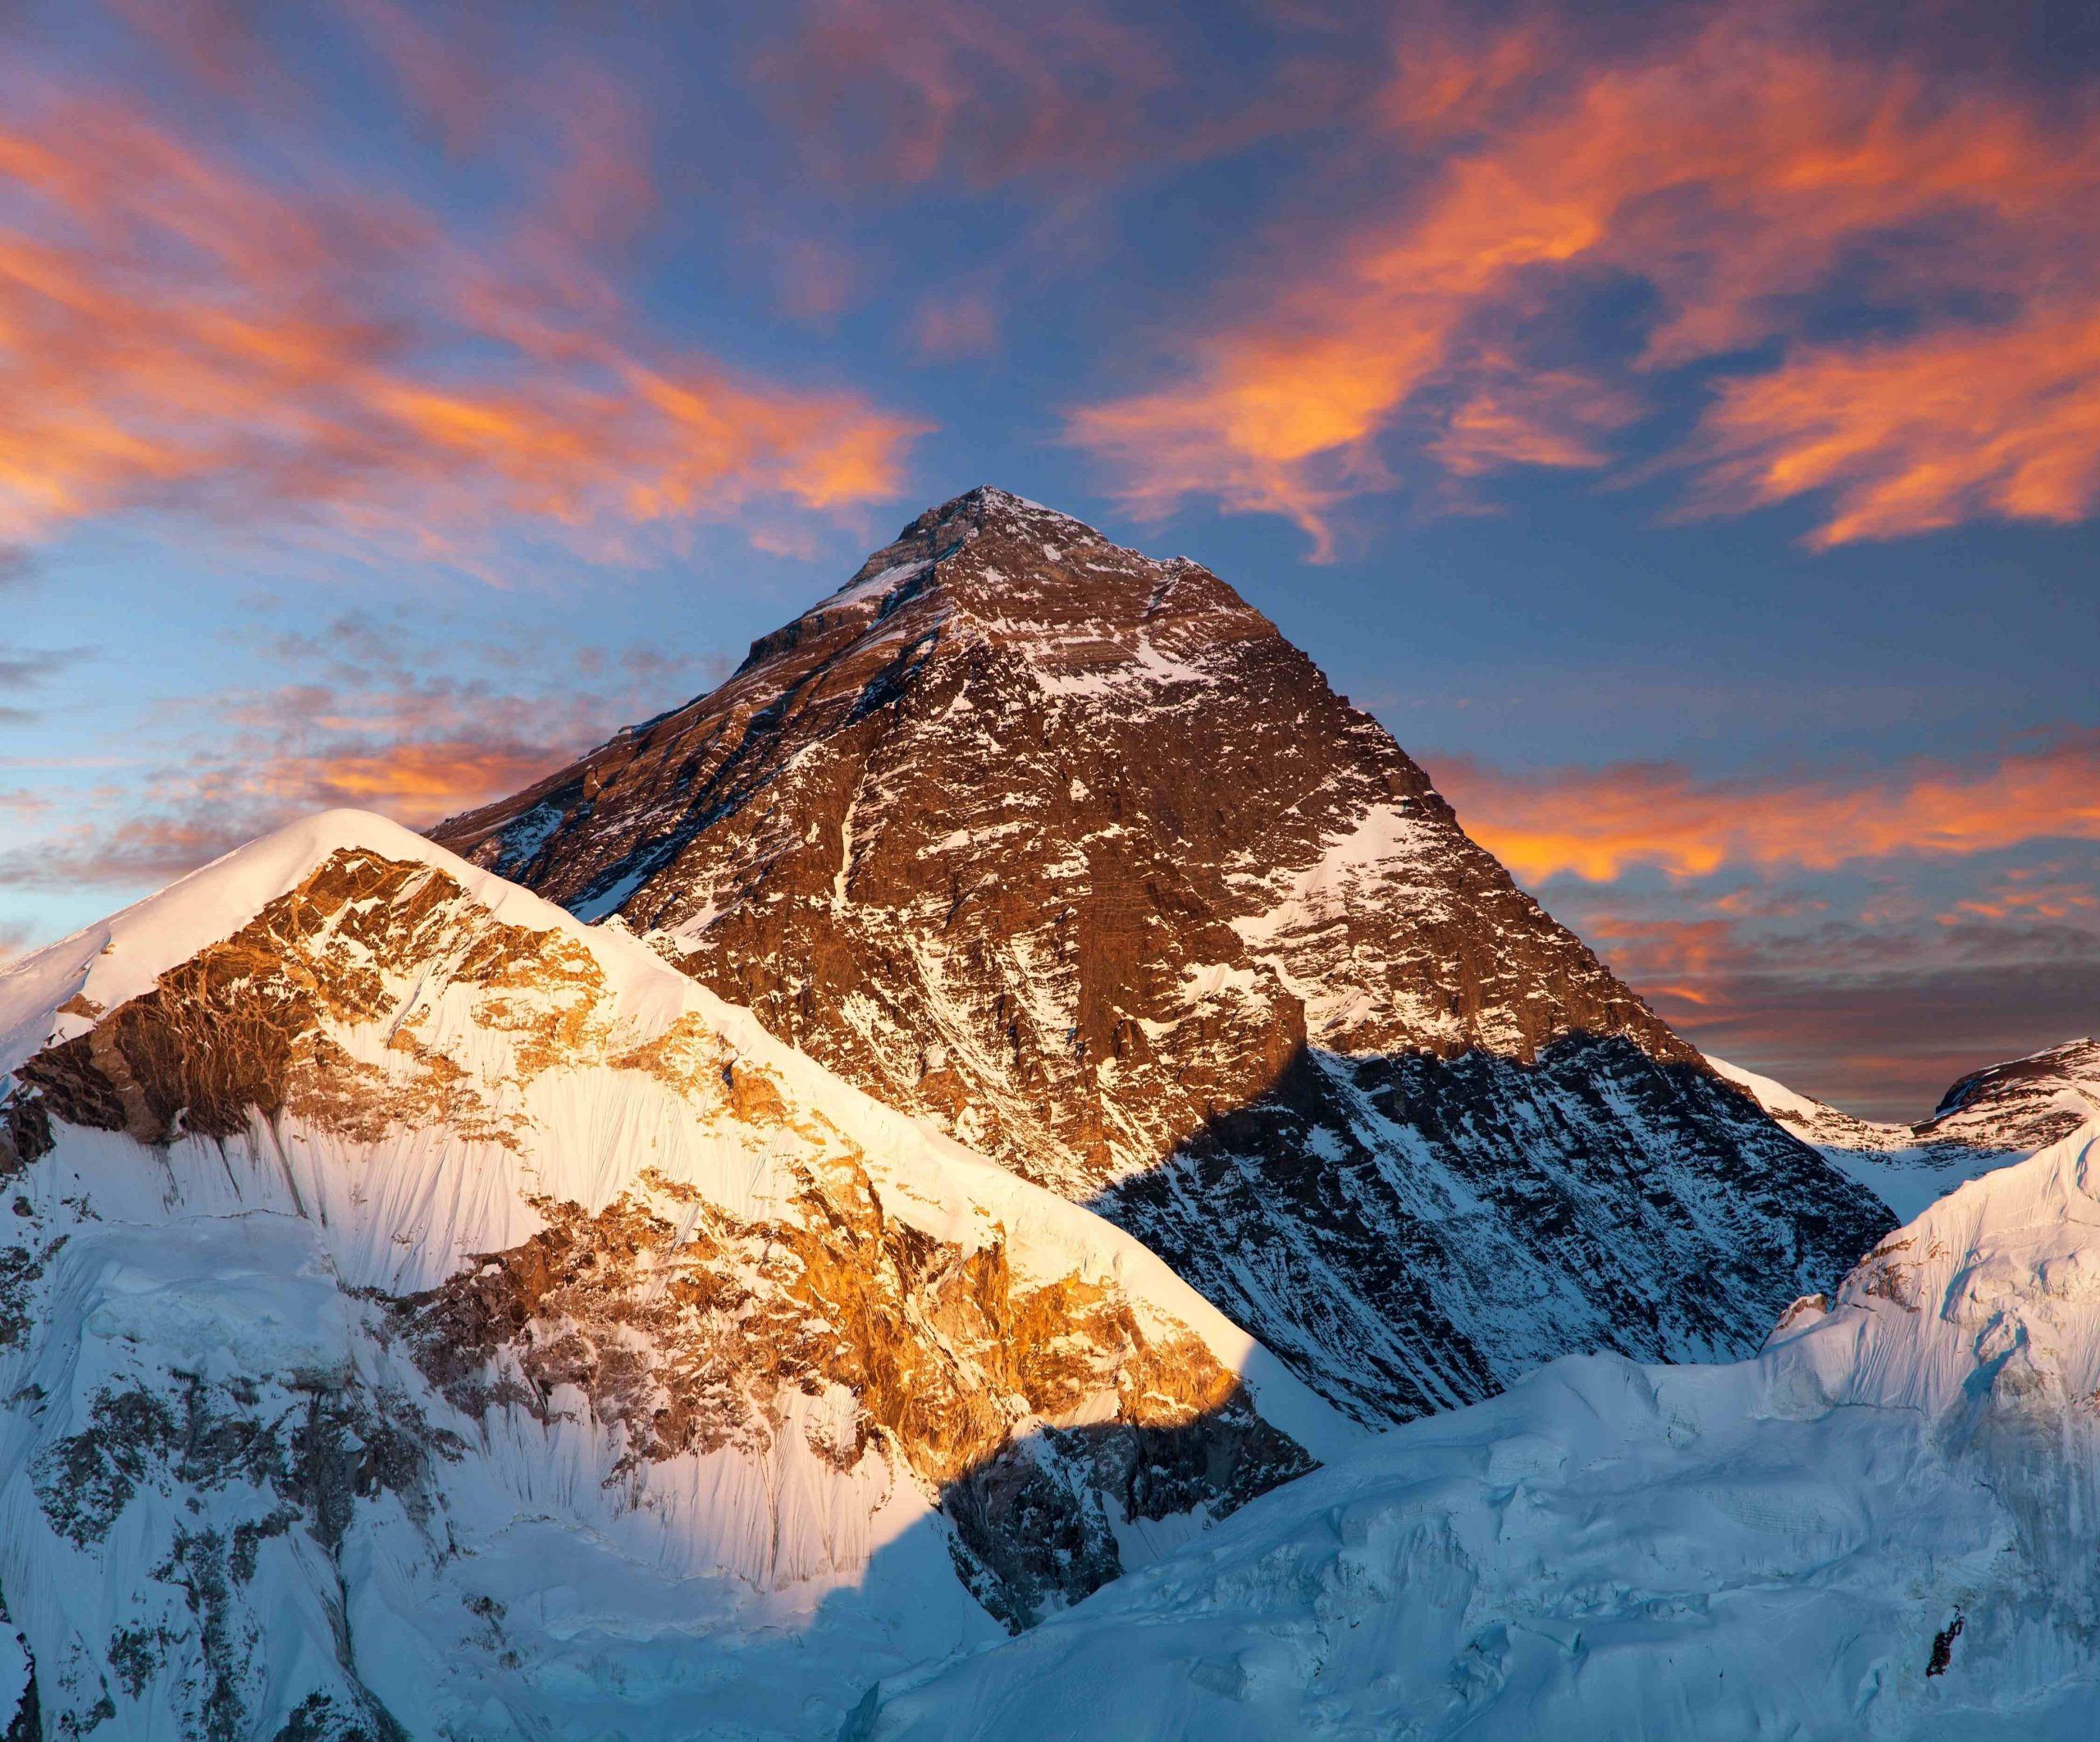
(1990, 1117)
(1886, 1525)
(422, 1314)
(1069, 849)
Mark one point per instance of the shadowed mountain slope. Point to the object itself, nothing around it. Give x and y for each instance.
(1884, 1527)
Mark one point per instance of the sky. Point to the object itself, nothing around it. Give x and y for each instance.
(1679, 423)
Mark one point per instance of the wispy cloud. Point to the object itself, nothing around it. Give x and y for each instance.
(909, 92)
(22, 668)
(24, 672)
(955, 324)
(1871, 1009)
(1915, 436)
(1918, 248)
(1865, 939)
(176, 327)
(367, 717)
(2027, 892)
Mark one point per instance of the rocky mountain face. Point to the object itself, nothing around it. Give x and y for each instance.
(1882, 1527)
(422, 1314)
(2021, 1106)
(20, 1712)
(1067, 849)
(2001, 1115)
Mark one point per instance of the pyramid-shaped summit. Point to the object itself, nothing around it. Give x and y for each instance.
(1067, 848)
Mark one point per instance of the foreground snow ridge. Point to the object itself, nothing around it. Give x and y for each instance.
(1885, 1525)
(423, 1313)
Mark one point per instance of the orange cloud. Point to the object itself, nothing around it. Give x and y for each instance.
(1678, 965)
(1595, 824)
(376, 719)
(381, 736)
(1911, 437)
(1538, 418)
(223, 801)
(2028, 892)
(1737, 173)
(1878, 1018)
(416, 784)
(173, 328)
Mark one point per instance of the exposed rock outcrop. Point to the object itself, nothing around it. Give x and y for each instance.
(1030, 1410)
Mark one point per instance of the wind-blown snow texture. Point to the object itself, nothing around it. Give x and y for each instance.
(1887, 1525)
(1990, 1117)
(422, 1314)
(1069, 849)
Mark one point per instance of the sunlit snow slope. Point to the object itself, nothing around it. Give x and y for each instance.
(423, 1313)
(1886, 1525)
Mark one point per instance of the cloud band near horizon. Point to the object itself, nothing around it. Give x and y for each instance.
(1596, 824)
(1865, 939)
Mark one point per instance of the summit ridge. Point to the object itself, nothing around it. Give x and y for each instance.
(1987, 1119)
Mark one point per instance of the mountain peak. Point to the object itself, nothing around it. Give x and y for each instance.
(1067, 849)
(1014, 570)
(946, 530)
(1086, 617)
(117, 959)
(2045, 1072)
(963, 517)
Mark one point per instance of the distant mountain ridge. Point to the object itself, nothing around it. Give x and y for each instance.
(1068, 849)
(2000, 1114)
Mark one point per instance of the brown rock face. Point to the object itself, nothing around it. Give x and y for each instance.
(1065, 845)
(242, 1028)
(1071, 850)
(1030, 1409)
(2020, 1105)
